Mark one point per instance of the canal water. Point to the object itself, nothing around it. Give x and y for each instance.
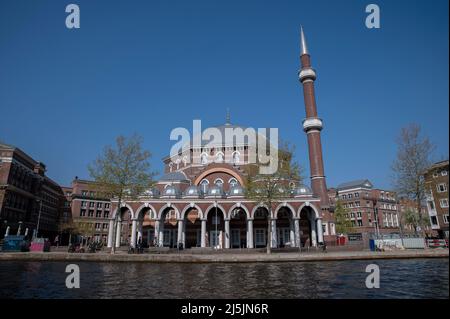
(413, 278)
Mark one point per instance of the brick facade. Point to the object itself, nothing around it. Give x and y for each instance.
(436, 184)
(27, 195)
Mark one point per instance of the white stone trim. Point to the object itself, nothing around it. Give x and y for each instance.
(312, 123)
(307, 74)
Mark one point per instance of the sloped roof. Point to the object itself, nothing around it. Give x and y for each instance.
(174, 176)
(364, 183)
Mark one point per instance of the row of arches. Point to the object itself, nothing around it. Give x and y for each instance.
(156, 214)
(218, 228)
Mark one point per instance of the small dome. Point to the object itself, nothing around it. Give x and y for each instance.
(192, 191)
(151, 192)
(302, 190)
(215, 191)
(236, 190)
(171, 191)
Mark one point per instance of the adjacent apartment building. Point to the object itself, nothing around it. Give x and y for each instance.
(436, 185)
(89, 213)
(29, 200)
(372, 211)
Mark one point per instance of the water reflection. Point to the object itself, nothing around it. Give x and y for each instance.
(420, 278)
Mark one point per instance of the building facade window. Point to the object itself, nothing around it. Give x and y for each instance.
(446, 219)
(236, 157)
(215, 220)
(325, 228)
(218, 182)
(233, 182)
(442, 187)
(204, 159)
(433, 220)
(431, 204)
(219, 157)
(332, 229)
(204, 185)
(443, 202)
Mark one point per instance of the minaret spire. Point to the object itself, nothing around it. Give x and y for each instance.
(304, 47)
(228, 122)
(312, 125)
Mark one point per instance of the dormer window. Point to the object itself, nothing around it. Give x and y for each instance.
(218, 182)
(233, 182)
(204, 159)
(219, 157)
(236, 157)
(204, 185)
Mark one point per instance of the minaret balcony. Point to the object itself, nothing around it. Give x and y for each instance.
(307, 74)
(312, 123)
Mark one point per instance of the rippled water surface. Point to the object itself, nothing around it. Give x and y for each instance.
(414, 278)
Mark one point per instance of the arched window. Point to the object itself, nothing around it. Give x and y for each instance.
(178, 164)
(171, 167)
(218, 182)
(204, 158)
(219, 157)
(233, 182)
(260, 213)
(204, 185)
(236, 157)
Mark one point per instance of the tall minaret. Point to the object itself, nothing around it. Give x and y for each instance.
(312, 125)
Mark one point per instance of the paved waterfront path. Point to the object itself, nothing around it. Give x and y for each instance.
(225, 257)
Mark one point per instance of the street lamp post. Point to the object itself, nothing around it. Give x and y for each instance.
(19, 229)
(39, 217)
(5, 222)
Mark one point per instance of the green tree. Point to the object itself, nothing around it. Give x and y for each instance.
(413, 158)
(342, 222)
(84, 229)
(122, 172)
(271, 189)
(415, 219)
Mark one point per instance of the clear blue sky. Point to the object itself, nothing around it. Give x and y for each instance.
(150, 66)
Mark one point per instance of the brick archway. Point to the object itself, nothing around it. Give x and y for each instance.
(218, 170)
